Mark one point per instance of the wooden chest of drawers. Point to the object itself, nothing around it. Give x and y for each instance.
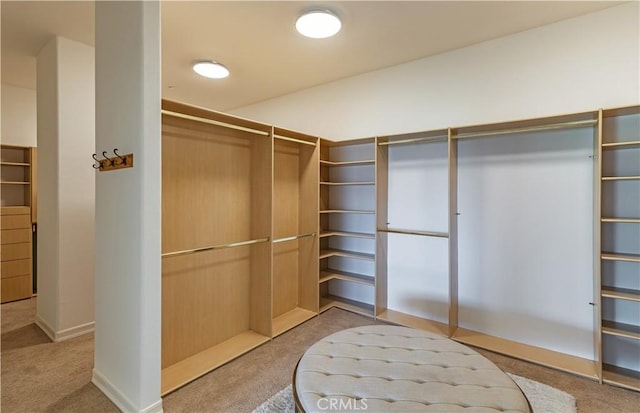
(15, 253)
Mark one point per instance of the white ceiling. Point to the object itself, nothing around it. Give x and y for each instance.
(257, 41)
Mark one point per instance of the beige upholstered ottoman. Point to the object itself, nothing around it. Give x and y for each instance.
(398, 369)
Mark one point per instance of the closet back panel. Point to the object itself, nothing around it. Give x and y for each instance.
(525, 238)
(212, 196)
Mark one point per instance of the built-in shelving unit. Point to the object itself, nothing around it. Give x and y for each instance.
(414, 168)
(295, 229)
(18, 209)
(347, 202)
(619, 167)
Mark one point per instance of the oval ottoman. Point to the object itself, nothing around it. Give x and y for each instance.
(385, 368)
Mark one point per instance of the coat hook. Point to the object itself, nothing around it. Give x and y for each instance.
(95, 157)
(123, 159)
(104, 154)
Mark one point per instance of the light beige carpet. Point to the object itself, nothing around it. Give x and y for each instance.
(543, 398)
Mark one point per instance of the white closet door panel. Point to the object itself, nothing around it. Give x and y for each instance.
(525, 238)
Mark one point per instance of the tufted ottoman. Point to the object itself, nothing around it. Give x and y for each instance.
(397, 369)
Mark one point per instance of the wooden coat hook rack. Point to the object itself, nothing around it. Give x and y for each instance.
(111, 163)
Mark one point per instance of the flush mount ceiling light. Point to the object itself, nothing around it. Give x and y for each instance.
(318, 24)
(210, 69)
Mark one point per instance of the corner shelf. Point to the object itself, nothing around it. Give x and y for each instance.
(621, 145)
(620, 178)
(621, 220)
(607, 256)
(330, 301)
(346, 183)
(617, 376)
(348, 163)
(621, 293)
(330, 252)
(346, 211)
(621, 329)
(24, 164)
(331, 274)
(331, 233)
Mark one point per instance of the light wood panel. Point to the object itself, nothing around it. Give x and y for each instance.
(15, 251)
(544, 357)
(191, 368)
(291, 319)
(15, 221)
(382, 217)
(408, 320)
(285, 277)
(16, 288)
(33, 171)
(15, 267)
(453, 231)
(13, 236)
(15, 210)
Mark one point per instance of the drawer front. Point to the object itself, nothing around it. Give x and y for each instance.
(15, 221)
(15, 251)
(15, 210)
(16, 288)
(14, 236)
(16, 267)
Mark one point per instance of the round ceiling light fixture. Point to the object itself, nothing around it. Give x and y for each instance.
(318, 24)
(211, 69)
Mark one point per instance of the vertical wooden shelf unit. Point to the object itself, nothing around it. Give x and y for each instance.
(546, 357)
(620, 246)
(295, 228)
(216, 233)
(347, 226)
(17, 178)
(413, 190)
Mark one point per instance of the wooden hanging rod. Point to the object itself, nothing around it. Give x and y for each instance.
(440, 138)
(414, 232)
(311, 234)
(552, 126)
(284, 138)
(214, 247)
(214, 122)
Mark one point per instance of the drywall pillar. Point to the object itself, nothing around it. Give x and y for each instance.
(66, 188)
(127, 364)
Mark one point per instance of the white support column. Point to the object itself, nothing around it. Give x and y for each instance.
(66, 188)
(127, 363)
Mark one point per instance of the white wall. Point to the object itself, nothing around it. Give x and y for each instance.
(576, 65)
(128, 282)
(18, 116)
(66, 137)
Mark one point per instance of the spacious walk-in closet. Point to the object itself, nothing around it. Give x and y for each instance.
(518, 237)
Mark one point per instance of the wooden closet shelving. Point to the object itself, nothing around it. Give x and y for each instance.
(619, 166)
(384, 145)
(18, 213)
(345, 168)
(216, 191)
(295, 220)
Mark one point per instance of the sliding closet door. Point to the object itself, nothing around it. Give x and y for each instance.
(216, 228)
(295, 229)
(525, 203)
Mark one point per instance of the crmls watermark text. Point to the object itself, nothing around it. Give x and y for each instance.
(341, 404)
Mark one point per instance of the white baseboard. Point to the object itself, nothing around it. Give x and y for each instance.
(62, 335)
(119, 399)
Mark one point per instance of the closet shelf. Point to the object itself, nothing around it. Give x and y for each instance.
(14, 164)
(346, 183)
(14, 183)
(622, 220)
(620, 178)
(408, 320)
(346, 211)
(620, 257)
(348, 254)
(329, 301)
(348, 163)
(291, 319)
(415, 232)
(629, 379)
(331, 274)
(620, 329)
(189, 369)
(621, 293)
(330, 233)
(548, 358)
(621, 145)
